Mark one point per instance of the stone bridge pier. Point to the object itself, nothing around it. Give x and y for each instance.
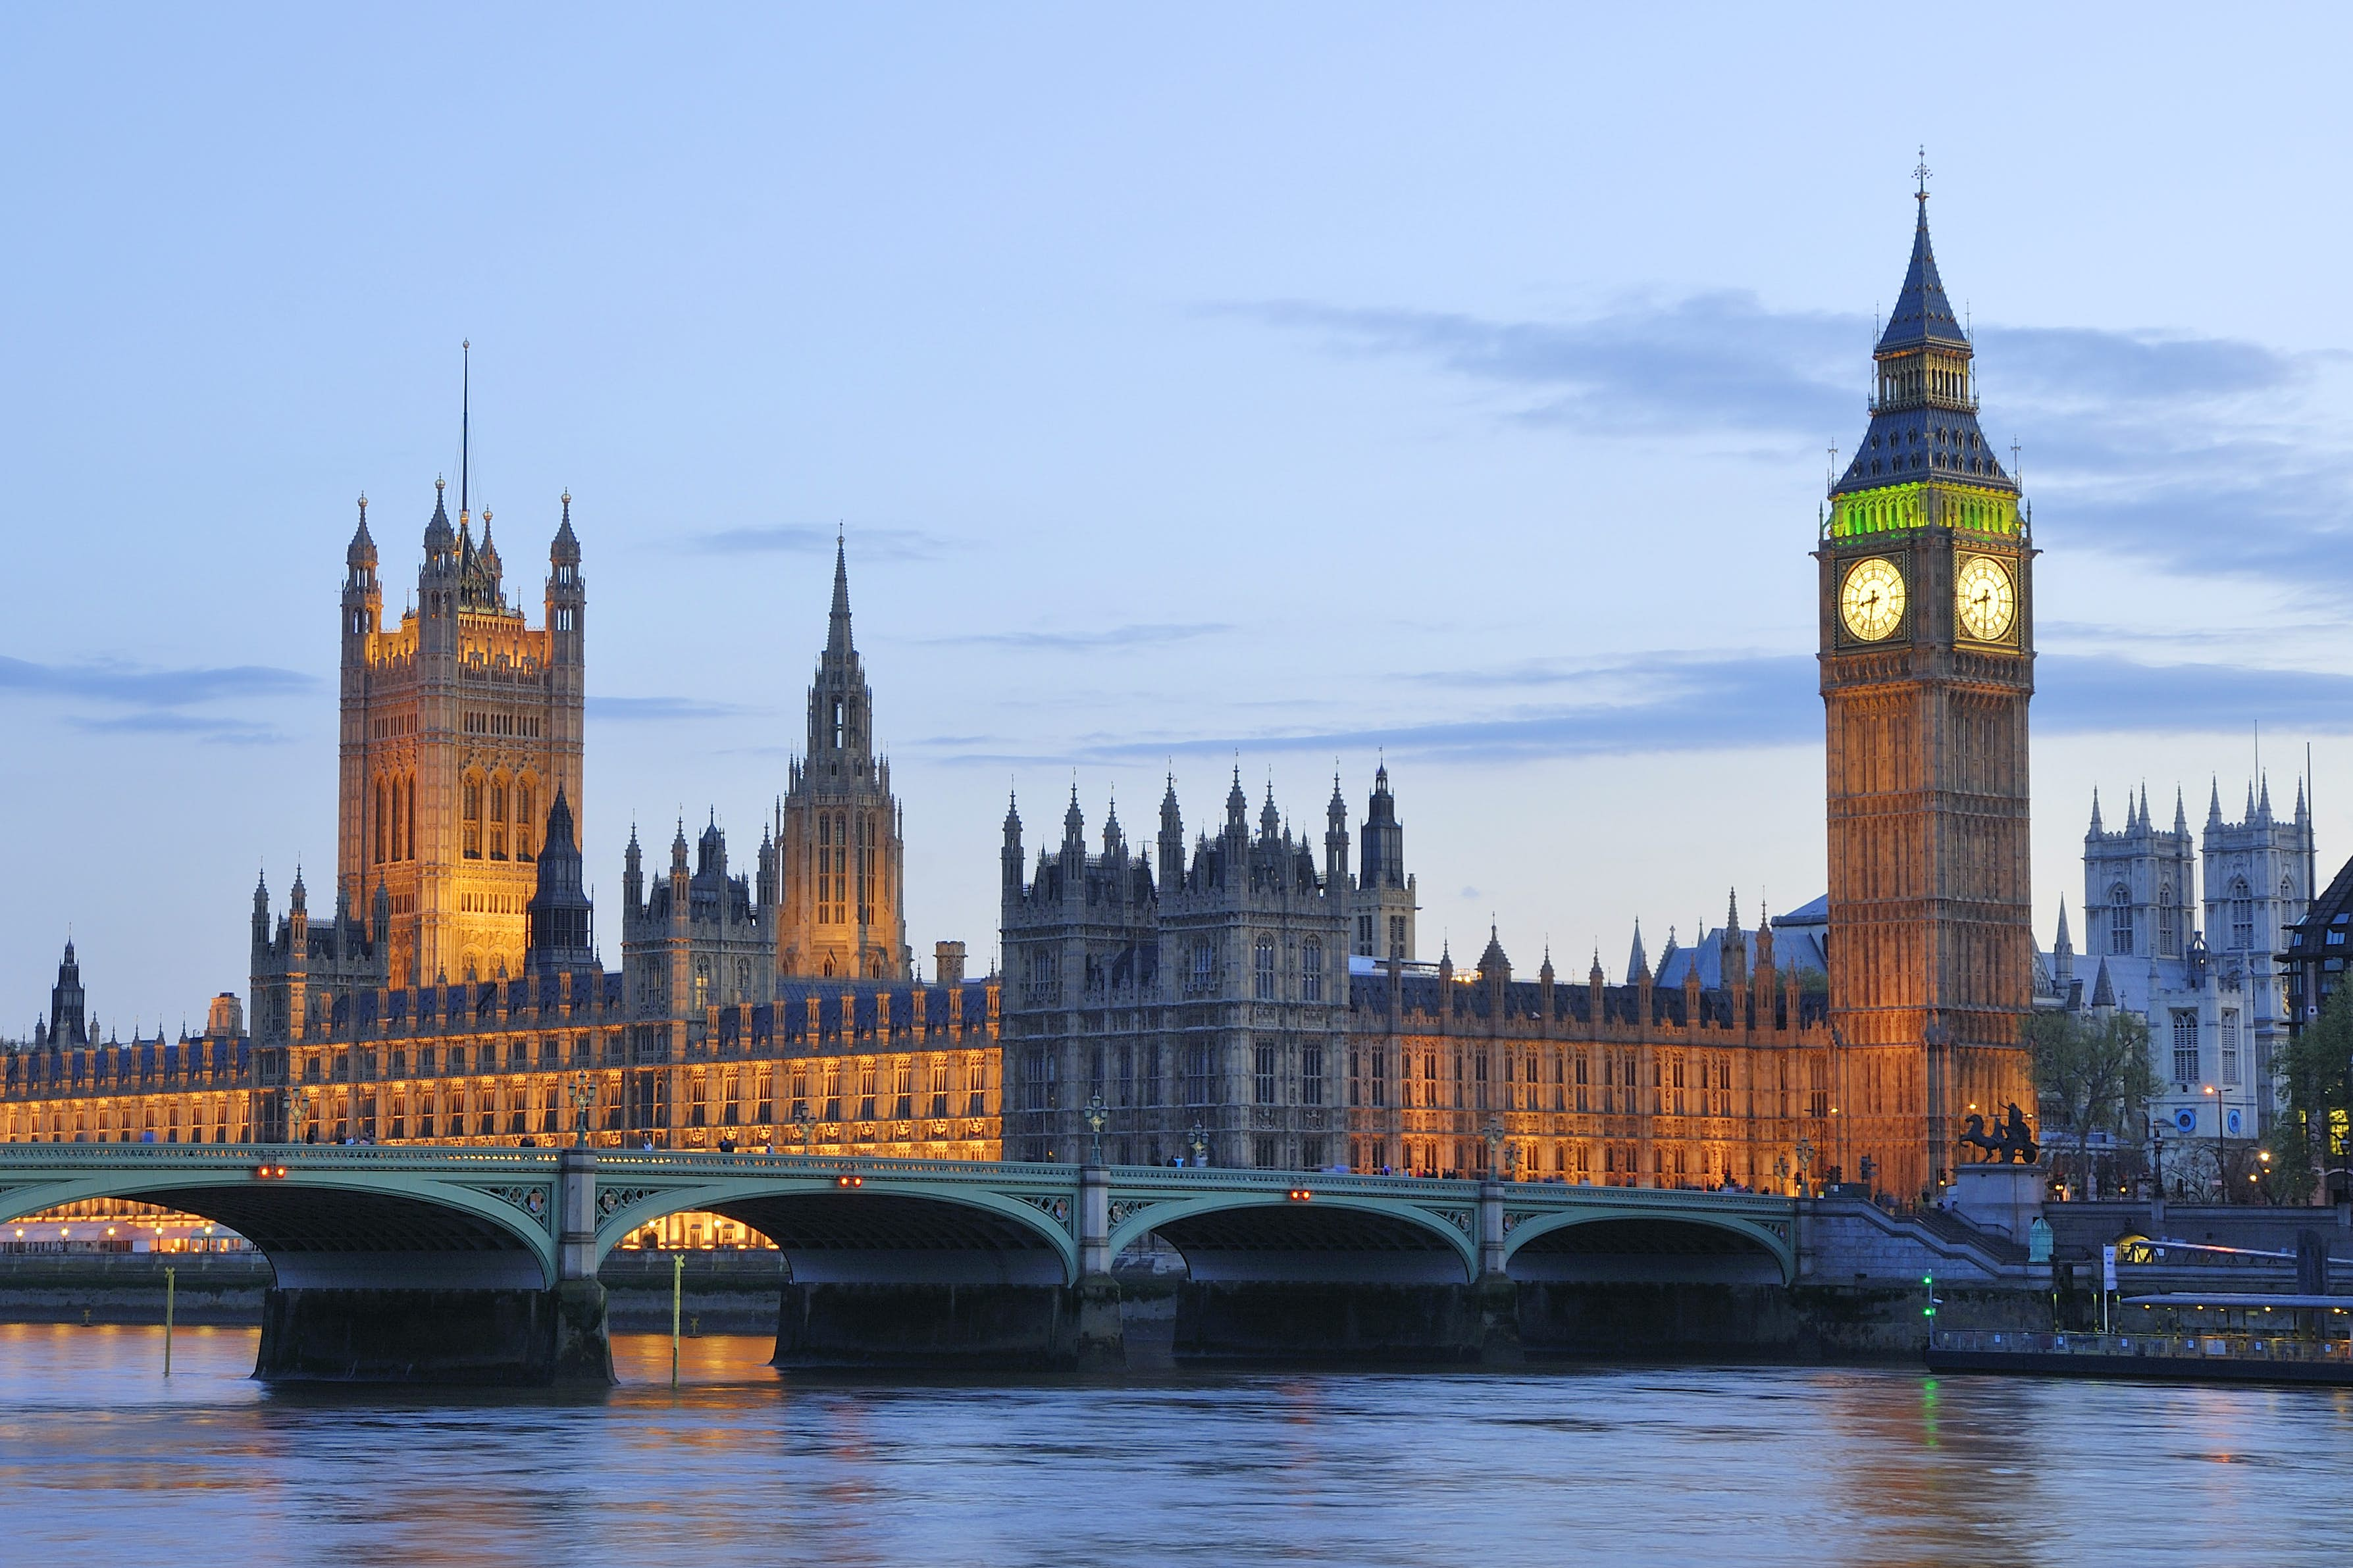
(453, 1313)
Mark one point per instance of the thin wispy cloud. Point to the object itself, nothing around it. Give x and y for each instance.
(797, 539)
(110, 697)
(139, 686)
(1680, 702)
(660, 710)
(1142, 635)
(2199, 454)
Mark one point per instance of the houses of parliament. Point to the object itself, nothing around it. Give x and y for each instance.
(1230, 993)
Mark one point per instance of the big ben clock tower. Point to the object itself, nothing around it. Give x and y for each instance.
(1927, 664)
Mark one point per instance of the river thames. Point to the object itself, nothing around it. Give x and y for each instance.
(100, 1457)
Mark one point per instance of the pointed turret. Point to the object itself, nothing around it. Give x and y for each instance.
(2103, 990)
(564, 550)
(1270, 819)
(2214, 807)
(440, 540)
(1637, 962)
(2095, 810)
(2264, 805)
(1922, 315)
(1237, 807)
(1924, 425)
(1492, 964)
(559, 920)
(361, 557)
(2180, 816)
(1009, 856)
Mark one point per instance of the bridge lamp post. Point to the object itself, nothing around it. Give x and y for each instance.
(802, 1122)
(1805, 1152)
(1095, 1116)
(2222, 1182)
(584, 1100)
(1493, 1133)
(1199, 1143)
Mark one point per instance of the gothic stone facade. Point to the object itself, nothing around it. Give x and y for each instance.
(1927, 665)
(457, 727)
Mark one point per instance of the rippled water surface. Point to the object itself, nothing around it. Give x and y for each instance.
(101, 1458)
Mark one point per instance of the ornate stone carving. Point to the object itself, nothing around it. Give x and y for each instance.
(1460, 1219)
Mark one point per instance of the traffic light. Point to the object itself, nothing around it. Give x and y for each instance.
(1929, 1310)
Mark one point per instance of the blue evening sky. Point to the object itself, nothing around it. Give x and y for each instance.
(1291, 381)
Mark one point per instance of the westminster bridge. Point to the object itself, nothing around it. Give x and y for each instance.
(480, 1264)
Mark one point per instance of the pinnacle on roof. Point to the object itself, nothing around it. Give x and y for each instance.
(2301, 810)
(2095, 808)
(1636, 962)
(439, 538)
(362, 550)
(2180, 818)
(2214, 805)
(2264, 807)
(564, 550)
(2063, 943)
(1923, 314)
(837, 634)
(1492, 961)
(2103, 991)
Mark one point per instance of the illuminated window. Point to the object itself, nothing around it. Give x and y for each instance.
(471, 841)
(497, 819)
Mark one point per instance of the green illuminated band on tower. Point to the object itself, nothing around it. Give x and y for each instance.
(1922, 503)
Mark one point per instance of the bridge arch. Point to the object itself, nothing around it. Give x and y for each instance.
(1694, 1248)
(341, 1228)
(1267, 1235)
(885, 1230)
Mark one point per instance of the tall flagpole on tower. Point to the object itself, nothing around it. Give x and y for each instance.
(464, 418)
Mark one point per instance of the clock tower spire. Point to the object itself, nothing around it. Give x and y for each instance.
(1928, 666)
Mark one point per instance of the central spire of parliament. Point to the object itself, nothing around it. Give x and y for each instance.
(840, 890)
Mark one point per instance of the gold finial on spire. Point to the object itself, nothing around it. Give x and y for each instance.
(1920, 173)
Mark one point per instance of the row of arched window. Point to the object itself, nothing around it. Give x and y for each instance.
(498, 812)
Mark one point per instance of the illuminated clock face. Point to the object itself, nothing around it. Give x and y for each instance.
(1871, 601)
(1984, 598)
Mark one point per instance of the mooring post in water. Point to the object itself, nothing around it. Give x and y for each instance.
(170, 1281)
(677, 1286)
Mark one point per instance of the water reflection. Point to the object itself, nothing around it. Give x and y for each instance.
(99, 1454)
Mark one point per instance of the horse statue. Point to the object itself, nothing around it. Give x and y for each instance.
(2009, 1141)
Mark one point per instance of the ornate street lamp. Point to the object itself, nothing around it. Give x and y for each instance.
(1199, 1143)
(1095, 1116)
(584, 1100)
